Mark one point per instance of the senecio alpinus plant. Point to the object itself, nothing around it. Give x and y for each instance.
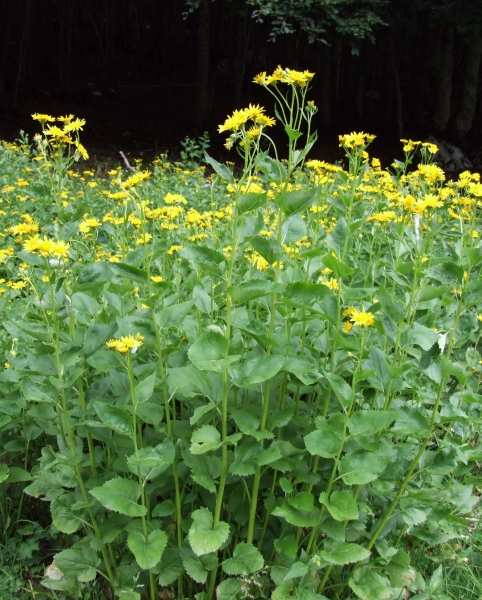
(263, 385)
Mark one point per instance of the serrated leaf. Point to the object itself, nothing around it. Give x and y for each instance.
(197, 567)
(296, 517)
(268, 248)
(204, 536)
(369, 585)
(230, 589)
(369, 422)
(343, 553)
(259, 369)
(147, 552)
(341, 388)
(248, 202)
(120, 495)
(170, 567)
(204, 439)
(81, 563)
(115, 417)
(145, 388)
(246, 559)
(360, 467)
(151, 462)
(63, 517)
(341, 506)
(221, 170)
(249, 290)
(208, 352)
(295, 201)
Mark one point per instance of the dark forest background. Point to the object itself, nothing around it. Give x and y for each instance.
(146, 73)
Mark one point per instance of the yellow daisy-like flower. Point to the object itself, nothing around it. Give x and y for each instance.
(42, 118)
(136, 178)
(361, 318)
(234, 122)
(128, 343)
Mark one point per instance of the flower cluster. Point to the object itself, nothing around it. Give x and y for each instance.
(289, 76)
(128, 343)
(46, 248)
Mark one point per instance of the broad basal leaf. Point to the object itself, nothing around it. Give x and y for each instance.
(368, 422)
(246, 559)
(120, 495)
(343, 553)
(147, 552)
(115, 417)
(369, 585)
(341, 506)
(82, 563)
(361, 467)
(204, 536)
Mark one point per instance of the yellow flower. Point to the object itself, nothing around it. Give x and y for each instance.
(234, 122)
(81, 151)
(136, 178)
(42, 118)
(128, 343)
(156, 278)
(357, 140)
(347, 326)
(479, 317)
(361, 318)
(65, 119)
(6, 365)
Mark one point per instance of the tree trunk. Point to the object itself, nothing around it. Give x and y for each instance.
(465, 114)
(444, 85)
(202, 84)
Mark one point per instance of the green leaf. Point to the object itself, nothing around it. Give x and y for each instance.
(84, 303)
(296, 201)
(249, 290)
(204, 536)
(248, 202)
(369, 585)
(297, 570)
(207, 258)
(133, 273)
(230, 589)
(304, 295)
(274, 169)
(208, 352)
(4, 472)
(335, 240)
(323, 442)
(170, 567)
(341, 506)
(174, 315)
(268, 248)
(204, 439)
(341, 388)
(114, 417)
(145, 388)
(63, 517)
(343, 553)
(339, 268)
(95, 273)
(96, 336)
(447, 272)
(197, 567)
(295, 516)
(202, 471)
(259, 369)
(368, 422)
(294, 228)
(303, 501)
(151, 462)
(120, 495)
(246, 559)
(82, 563)
(419, 335)
(361, 467)
(410, 422)
(147, 552)
(17, 474)
(293, 134)
(221, 170)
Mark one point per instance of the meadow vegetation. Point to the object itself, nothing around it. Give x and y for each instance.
(239, 383)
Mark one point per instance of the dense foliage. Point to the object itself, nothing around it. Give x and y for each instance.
(248, 385)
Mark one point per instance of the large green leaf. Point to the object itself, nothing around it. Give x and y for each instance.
(115, 417)
(258, 369)
(324, 441)
(248, 202)
(296, 517)
(341, 505)
(361, 467)
(230, 589)
(82, 563)
(174, 315)
(145, 388)
(246, 559)
(208, 352)
(343, 553)
(295, 201)
(133, 273)
(221, 170)
(147, 552)
(151, 462)
(268, 248)
(368, 422)
(197, 567)
(204, 439)
(170, 567)
(63, 517)
(339, 268)
(249, 290)
(120, 495)
(370, 585)
(204, 536)
(341, 388)
(95, 273)
(304, 295)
